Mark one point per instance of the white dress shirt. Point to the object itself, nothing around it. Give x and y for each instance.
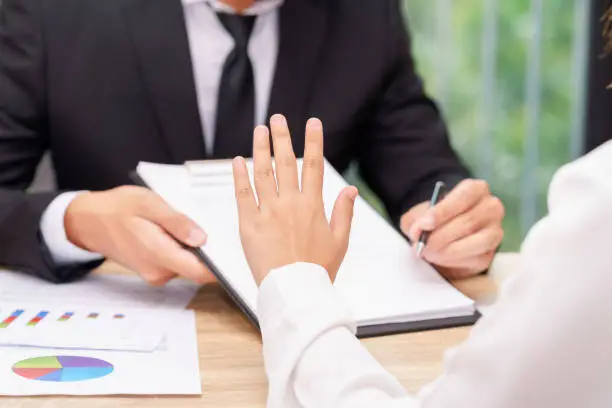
(545, 344)
(210, 44)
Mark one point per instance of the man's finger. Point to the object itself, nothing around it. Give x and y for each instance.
(482, 242)
(247, 206)
(182, 262)
(424, 223)
(312, 168)
(284, 157)
(153, 208)
(155, 276)
(342, 214)
(159, 250)
(488, 211)
(467, 267)
(265, 182)
(459, 200)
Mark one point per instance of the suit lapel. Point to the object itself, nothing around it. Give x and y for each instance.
(303, 26)
(162, 49)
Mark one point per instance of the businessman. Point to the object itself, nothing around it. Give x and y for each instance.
(103, 85)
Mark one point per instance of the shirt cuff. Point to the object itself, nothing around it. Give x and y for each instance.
(294, 287)
(53, 233)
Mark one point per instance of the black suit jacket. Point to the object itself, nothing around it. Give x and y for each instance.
(104, 84)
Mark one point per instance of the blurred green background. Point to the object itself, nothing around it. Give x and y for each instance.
(476, 58)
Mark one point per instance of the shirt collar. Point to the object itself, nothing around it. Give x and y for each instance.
(259, 7)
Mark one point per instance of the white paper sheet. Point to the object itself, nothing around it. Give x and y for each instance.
(172, 369)
(381, 279)
(86, 328)
(98, 290)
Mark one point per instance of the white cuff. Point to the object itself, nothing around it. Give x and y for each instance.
(54, 233)
(297, 303)
(292, 287)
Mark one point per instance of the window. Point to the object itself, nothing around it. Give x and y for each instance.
(510, 79)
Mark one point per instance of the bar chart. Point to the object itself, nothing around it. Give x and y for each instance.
(38, 318)
(78, 327)
(10, 319)
(20, 317)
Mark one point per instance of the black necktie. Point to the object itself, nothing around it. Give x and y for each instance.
(236, 103)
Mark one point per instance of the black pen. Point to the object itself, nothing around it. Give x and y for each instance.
(437, 195)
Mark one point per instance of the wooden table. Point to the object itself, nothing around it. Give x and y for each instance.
(231, 364)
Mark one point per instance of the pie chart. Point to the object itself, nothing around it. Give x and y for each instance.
(62, 368)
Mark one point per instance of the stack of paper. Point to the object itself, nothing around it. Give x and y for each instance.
(88, 338)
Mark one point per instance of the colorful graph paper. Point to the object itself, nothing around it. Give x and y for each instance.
(7, 322)
(65, 317)
(37, 319)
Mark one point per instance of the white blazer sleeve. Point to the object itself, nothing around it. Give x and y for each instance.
(545, 344)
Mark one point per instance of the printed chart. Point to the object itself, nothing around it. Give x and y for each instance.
(169, 370)
(66, 316)
(83, 328)
(10, 319)
(62, 368)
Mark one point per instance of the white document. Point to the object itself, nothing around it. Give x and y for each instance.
(97, 290)
(172, 369)
(90, 328)
(381, 279)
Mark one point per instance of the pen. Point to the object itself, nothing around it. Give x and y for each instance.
(435, 198)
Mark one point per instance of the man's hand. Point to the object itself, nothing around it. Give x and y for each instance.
(466, 229)
(289, 225)
(134, 227)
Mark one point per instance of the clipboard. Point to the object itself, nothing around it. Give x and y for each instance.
(363, 331)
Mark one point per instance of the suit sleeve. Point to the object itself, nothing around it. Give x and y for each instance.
(407, 147)
(23, 141)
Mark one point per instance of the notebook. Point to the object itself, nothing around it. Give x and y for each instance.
(386, 287)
